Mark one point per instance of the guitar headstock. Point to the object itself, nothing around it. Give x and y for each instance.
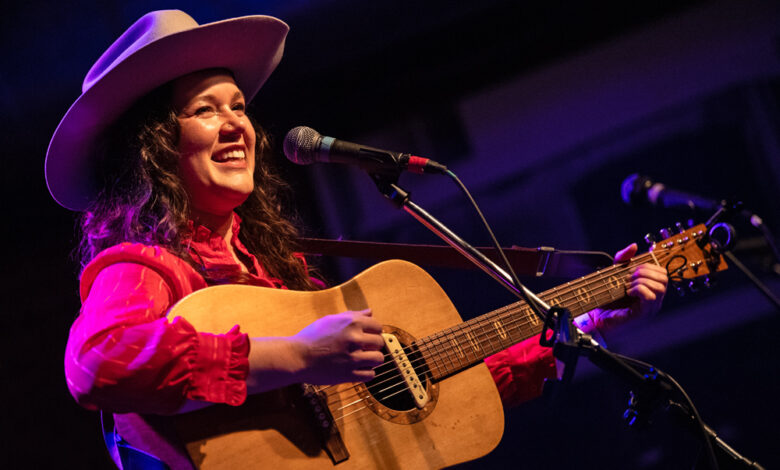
(689, 255)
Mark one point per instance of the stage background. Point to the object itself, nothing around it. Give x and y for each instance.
(542, 108)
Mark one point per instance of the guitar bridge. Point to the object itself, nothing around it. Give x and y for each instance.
(323, 419)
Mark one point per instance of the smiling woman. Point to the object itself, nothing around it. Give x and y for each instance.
(177, 193)
(216, 143)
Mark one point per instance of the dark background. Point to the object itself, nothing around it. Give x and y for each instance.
(542, 108)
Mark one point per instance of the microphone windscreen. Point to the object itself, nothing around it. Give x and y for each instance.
(300, 145)
(633, 191)
(625, 189)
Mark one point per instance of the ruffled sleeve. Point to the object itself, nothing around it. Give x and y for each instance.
(221, 367)
(124, 355)
(520, 371)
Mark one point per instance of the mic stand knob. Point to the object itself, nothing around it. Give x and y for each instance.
(646, 399)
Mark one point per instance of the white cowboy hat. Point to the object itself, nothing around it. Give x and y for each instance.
(156, 49)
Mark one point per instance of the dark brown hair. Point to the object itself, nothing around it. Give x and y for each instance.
(143, 199)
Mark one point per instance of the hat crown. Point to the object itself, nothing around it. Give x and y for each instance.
(149, 28)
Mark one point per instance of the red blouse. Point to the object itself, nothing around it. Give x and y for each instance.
(125, 355)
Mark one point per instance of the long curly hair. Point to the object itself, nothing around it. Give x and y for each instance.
(143, 199)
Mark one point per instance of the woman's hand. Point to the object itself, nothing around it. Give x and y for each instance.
(645, 286)
(341, 348)
(344, 347)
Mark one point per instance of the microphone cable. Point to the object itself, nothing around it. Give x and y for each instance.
(515, 280)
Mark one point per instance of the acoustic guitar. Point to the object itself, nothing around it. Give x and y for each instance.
(432, 404)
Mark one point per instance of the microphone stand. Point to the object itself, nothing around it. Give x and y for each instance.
(558, 331)
(568, 342)
(650, 390)
(387, 185)
(727, 211)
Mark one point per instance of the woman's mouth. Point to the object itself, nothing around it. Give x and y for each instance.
(229, 156)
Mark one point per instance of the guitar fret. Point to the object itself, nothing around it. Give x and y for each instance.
(533, 325)
(490, 336)
(501, 332)
(455, 347)
(444, 353)
(450, 351)
(514, 329)
(532, 318)
(440, 364)
(482, 337)
(468, 343)
(430, 354)
(476, 343)
(444, 367)
(435, 352)
(461, 347)
(479, 344)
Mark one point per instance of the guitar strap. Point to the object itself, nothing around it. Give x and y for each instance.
(530, 262)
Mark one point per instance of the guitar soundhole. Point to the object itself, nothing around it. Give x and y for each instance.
(389, 388)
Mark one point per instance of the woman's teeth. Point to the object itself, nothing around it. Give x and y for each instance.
(231, 155)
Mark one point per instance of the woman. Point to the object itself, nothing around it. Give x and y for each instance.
(173, 180)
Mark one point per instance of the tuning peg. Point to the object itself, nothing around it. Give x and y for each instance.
(665, 233)
(708, 282)
(650, 239)
(679, 227)
(693, 287)
(680, 290)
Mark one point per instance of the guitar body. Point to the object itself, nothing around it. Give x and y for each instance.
(462, 421)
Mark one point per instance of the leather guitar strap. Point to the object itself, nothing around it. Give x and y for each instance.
(530, 262)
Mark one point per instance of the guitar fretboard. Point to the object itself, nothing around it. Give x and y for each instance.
(454, 349)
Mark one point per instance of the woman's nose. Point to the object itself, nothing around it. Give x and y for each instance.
(233, 124)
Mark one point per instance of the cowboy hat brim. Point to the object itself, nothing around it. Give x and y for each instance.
(250, 47)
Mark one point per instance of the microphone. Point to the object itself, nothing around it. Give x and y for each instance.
(639, 189)
(304, 146)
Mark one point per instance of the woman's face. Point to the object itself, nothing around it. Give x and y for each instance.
(216, 141)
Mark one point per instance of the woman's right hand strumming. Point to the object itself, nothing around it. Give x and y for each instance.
(344, 347)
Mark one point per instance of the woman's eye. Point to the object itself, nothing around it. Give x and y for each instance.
(203, 110)
(238, 107)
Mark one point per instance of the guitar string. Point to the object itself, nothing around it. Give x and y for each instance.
(502, 312)
(485, 320)
(563, 292)
(628, 267)
(559, 292)
(379, 398)
(490, 336)
(480, 322)
(457, 363)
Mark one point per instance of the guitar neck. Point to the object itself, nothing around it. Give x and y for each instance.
(462, 346)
